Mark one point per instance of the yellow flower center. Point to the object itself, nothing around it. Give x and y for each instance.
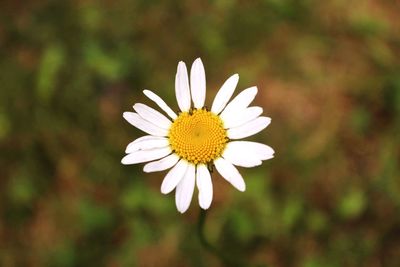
(198, 137)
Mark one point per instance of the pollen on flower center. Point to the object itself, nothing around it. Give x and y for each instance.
(198, 137)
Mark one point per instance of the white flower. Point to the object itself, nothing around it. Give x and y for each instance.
(196, 139)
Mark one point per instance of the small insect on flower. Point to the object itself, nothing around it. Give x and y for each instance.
(196, 139)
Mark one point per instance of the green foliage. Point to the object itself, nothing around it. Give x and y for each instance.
(21, 190)
(352, 204)
(49, 68)
(328, 74)
(62, 256)
(93, 217)
(5, 126)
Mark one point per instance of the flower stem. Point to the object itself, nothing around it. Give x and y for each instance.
(227, 261)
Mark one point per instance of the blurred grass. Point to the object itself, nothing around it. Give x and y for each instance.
(328, 75)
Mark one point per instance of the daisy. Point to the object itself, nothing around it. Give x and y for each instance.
(196, 139)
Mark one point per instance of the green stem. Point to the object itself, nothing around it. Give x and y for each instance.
(227, 261)
(200, 231)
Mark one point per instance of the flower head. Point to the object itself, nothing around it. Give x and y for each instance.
(196, 139)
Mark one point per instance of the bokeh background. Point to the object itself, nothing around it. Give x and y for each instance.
(328, 74)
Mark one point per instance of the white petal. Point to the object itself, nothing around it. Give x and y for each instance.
(146, 137)
(243, 116)
(241, 101)
(144, 125)
(247, 154)
(204, 184)
(249, 128)
(174, 176)
(262, 151)
(230, 173)
(142, 138)
(182, 87)
(156, 99)
(146, 144)
(152, 115)
(242, 158)
(224, 94)
(184, 190)
(162, 164)
(198, 83)
(145, 155)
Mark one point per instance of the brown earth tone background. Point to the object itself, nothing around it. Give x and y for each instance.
(328, 74)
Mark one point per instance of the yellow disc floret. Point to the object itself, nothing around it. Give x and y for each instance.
(198, 137)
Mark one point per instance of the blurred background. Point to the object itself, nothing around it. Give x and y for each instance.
(328, 74)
